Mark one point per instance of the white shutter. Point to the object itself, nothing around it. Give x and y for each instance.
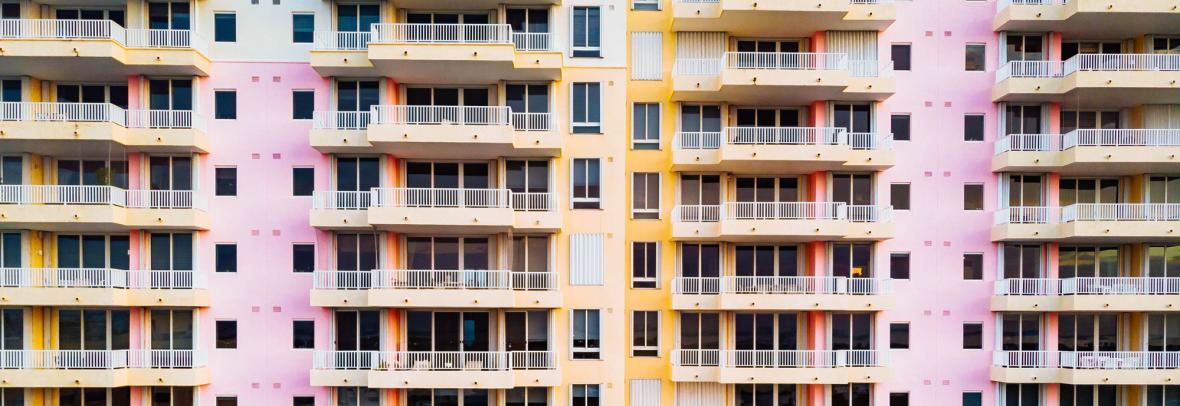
(647, 55)
(586, 259)
(699, 394)
(700, 45)
(645, 392)
(1161, 116)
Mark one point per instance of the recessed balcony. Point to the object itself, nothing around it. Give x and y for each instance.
(452, 132)
(1088, 18)
(781, 293)
(780, 78)
(435, 369)
(472, 289)
(1090, 152)
(103, 287)
(1092, 80)
(781, 149)
(102, 368)
(436, 210)
(97, 50)
(66, 128)
(781, 19)
(1087, 294)
(781, 366)
(1091, 222)
(99, 209)
(782, 221)
(439, 53)
(1086, 367)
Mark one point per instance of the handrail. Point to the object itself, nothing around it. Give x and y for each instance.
(442, 33)
(434, 280)
(425, 361)
(441, 115)
(63, 112)
(730, 358)
(101, 359)
(781, 285)
(25, 277)
(100, 195)
(1101, 285)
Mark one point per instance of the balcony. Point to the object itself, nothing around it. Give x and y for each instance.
(65, 128)
(1092, 80)
(781, 19)
(99, 209)
(1086, 367)
(102, 368)
(1101, 222)
(439, 53)
(103, 287)
(1087, 294)
(452, 132)
(467, 4)
(782, 222)
(1088, 18)
(780, 78)
(786, 293)
(1090, 152)
(781, 150)
(97, 50)
(472, 289)
(436, 210)
(781, 366)
(435, 369)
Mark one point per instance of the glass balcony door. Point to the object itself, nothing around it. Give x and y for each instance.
(852, 260)
(769, 117)
(700, 193)
(171, 330)
(88, 93)
(526, 330)
(90, 397)
(852, 331)
(12, 329)
(1088, 332)
(1163, 332)
(1026, 191)
(360, 396)
(1088, 262)
(450, 184)
(1025, 47)
(357, 330)
(700, 260)
(1163, 189)
(173, 15)
(357, 17)
(171, 252)
(1020, 332)
(763, 333)
(441, 29)
(1163, 261)
(852, 189)
(700, 338)
(453, 262)
(73, 172)
(171, 174)
(700, 118)
(357, 254)
(449, 332)
(93, 330)
(1023, 119)
(11, 250)
(766, 261)
(1021, 261)
(170, 94)
(1027, 394)
(529, 183)
(528, 20)
(1090, 191)
(1089, 120)
(853, 117)
(86, 258)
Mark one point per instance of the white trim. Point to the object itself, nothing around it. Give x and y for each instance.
(585, 350)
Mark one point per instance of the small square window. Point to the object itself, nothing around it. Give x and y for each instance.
(303, 258)
(227, 334)
(900, 54)
(302, 104)
(303, 401)
(899, 196)
(899, 336)
(973, 266)
(972, 399)
(976, 58)
(972, 336)
(973, 127)
(302, 28)
(226, 258)
(225, 28)
(973, 196)
(226, 181)
(303, 334)
(302, 181)
(899, 399)
(899, 265)
(225, 104)
(227, 401)
(899, 125)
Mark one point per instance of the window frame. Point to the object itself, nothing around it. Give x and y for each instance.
(981, 265)
(586, 51)
(294, 338)
(908, 194)
(587, 127)
(574, 199)
(647, 140)
(646, 4)
(647, 187)
(217, 93)
(294, 37)
(659, 331)
(982, 196)
(982, 340)
(908, 335)
(655, 280)
(294, 169)
(234, 19)
(313, 257)
(909, 55)
(909, 265)
(294, 101)
(982, 58)
(982, 127)
(587, 387)
(595, 351)
(217, 255)
(975, 394)
(233, 192)
(217, 325)
(909, 125)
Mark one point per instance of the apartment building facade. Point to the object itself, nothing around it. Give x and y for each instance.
(589, 202)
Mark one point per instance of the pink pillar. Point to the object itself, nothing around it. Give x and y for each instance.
(1053, 190)
(818, 41)
(819, 112)
(133, 92)
(1055, 118)
(1055, 46)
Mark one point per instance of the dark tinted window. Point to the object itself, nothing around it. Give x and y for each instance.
(901, 56)
(899, 265)
(972, 336)
(226, 181)
(303, 334)
(973, 196)
(899, 196)
(226, 259)
(227, 333)
(225, 28)
(899, 124)
(302, 104)
(302, 28)
(302, 181)
(975, 57)
(225, 104)
(303, 257)
(973, 266)
(973, 127)
(899, 336)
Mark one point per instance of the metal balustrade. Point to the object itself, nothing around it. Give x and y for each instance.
(441, 197)
(1001, 4)
(24, 277)
(780, 358)
(441, 33)
(341, 200)
(100, 195)
(1121, 212)
(341, 120)
(1089, 63)
(1024, 215)
(1102, 285)
(102, 359)
(781, 285)
(54, 29)
(424, 361)
(782, 211)
(1030, 69)
(1104, 137)
(1102, 360)
(532, 41)
(719, 1)
(439, 115)
(63, 112)
(533, 121)
(341, 40)
(811, 61)
(434, 280)
(1027, 142)
(783, 136)
(165, 119)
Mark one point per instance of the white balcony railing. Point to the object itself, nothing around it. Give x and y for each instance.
(532, 41)
(699, 213)
(782, 211)
(165, 199)
(1028, 142)
(1112, 360)
(1025, 215)
(62, 112)
(101, 359)
(341, 120)
(441, 197)
(1088, 286)
(1105, 137)
(157, 38)
(100, 195)
(781, 285)
(341, 40)
(1030, 69)
(422, 361)
(1002, 4)
(341, 200)
(51, 29)
(442, 33)
(1121, 212)
(100, 278)
(1090, 63)
(810, 61)
(165, 119)
(441, 115)
(434, 280)
(783, 136)
(533, 121)
(780, 358)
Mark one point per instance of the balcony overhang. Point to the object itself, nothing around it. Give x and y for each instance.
(1086, 303)
(781, 302)
(441, 63)
(96, 60)
(781, 230)
(383, 379)
(437, 298)
(1094, 89)
(731, 375)
(784, 19)
(1084, 376)
(1092, 160)
(755, 159)
(780, 87)
(98, 139)
(1092, 19)
(103, 378)
(416, 141)
(1089, 231)
(104, 297)
(100, 218)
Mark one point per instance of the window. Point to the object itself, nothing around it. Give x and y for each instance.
(645, 5)
(585, 334)
(586, 27)
(900, 56)
(227, 333)
(225, 29)
(302, 104)
(899, 399)
(899, 265)
(586, 183)
(302, 258)
(302, 28)
(226, 258)
(973, 266)
(303, 334)
(645, 196)
(976, 54)
(645, 126)
(645, 268)
(302, 181)
(899, 124)
(972, 399)
(899, 196)
(225, 104)
(973, 127)
(226, 181)
(899, 336)
(584, 395)
(645, 333)
(587, 105)
(973, 196)
(227, 401)
(972, 336)
(303, 401)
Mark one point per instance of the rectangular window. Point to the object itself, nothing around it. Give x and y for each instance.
(900, 399)
(973, 266)
(586, 28)
(972, 399)
(973, 196)
(302, 28)
(226, 181)
(976, 58)
(899, 336)
(645, 332)
(645, 5)
(899, 196)
(226, 258)
(900, 54)
(303, 334)
(225, 27)
(586, 193)
(645, 196)
(302, 104)
(899, 124)
(302, 258)
(585, 334)
(645, 264)
(899, 265)
(302, 181)
(227, 401)
(972, 336)
(587, 105)
(584, 395)
(973, 127)
(645, 126)
(225, 104)
(227, 333)
(303, 401)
